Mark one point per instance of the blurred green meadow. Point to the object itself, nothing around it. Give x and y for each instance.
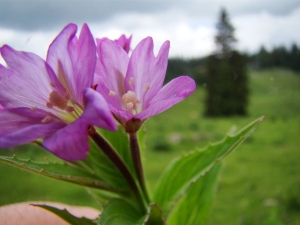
(260, 182)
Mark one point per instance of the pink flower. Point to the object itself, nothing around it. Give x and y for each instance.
(124, 42)
(133, 86)
(53, 99)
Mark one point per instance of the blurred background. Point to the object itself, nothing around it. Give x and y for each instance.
(244, 56)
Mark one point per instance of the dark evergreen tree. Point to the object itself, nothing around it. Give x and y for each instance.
(294, 58)
(227, 92)
(225, 37)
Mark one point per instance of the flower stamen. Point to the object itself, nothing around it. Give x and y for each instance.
(70, 109)
(49, 105)
(147, 87)
(112, 93)
(47, 119)
(131, 81)
(57, 100)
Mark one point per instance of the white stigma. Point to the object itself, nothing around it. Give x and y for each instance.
(129, 106)
(130, 100)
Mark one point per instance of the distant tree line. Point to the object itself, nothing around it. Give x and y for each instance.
(281, 56)
(194, 68)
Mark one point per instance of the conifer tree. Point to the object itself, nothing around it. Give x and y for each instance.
(227, 91)
(225, 37)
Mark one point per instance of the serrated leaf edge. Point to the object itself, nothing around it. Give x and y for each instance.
(44, 206)
(67, 178)
(206, 148)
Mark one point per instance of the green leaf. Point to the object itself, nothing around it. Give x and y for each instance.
(194, 207)
(187, 169)
(154, 216)
(65, 215)
(100, 196)
(60, 171)
(118, 211)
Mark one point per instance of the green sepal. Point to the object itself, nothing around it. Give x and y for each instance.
(60, 171)
(185, 170)
(195, 205)
(119, 140)
(65, 215)
(98, 162)
(141, 134)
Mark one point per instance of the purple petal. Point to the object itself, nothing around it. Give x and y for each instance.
(58, 56)
(83, 55)
(73, 60)
(96, 111)
(124, 42)
(22, 125)
(111, 99)
(114, 103)
(122, 115)
(28, 81)
(173, 92)
(111, 66)
(69, 143)
(147, 70)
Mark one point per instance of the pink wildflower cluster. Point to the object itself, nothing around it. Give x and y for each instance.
(83, 83)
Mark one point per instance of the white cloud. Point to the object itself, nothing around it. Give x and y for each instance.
(188, 38)
(36, 42)
(190, 35)
(254, 30)
(39, 14)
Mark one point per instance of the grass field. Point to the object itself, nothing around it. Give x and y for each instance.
(260, 182)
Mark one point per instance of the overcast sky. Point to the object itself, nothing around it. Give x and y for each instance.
(31, 25)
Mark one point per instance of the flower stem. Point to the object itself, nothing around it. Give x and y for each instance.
(137, 162)
(110, 152)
